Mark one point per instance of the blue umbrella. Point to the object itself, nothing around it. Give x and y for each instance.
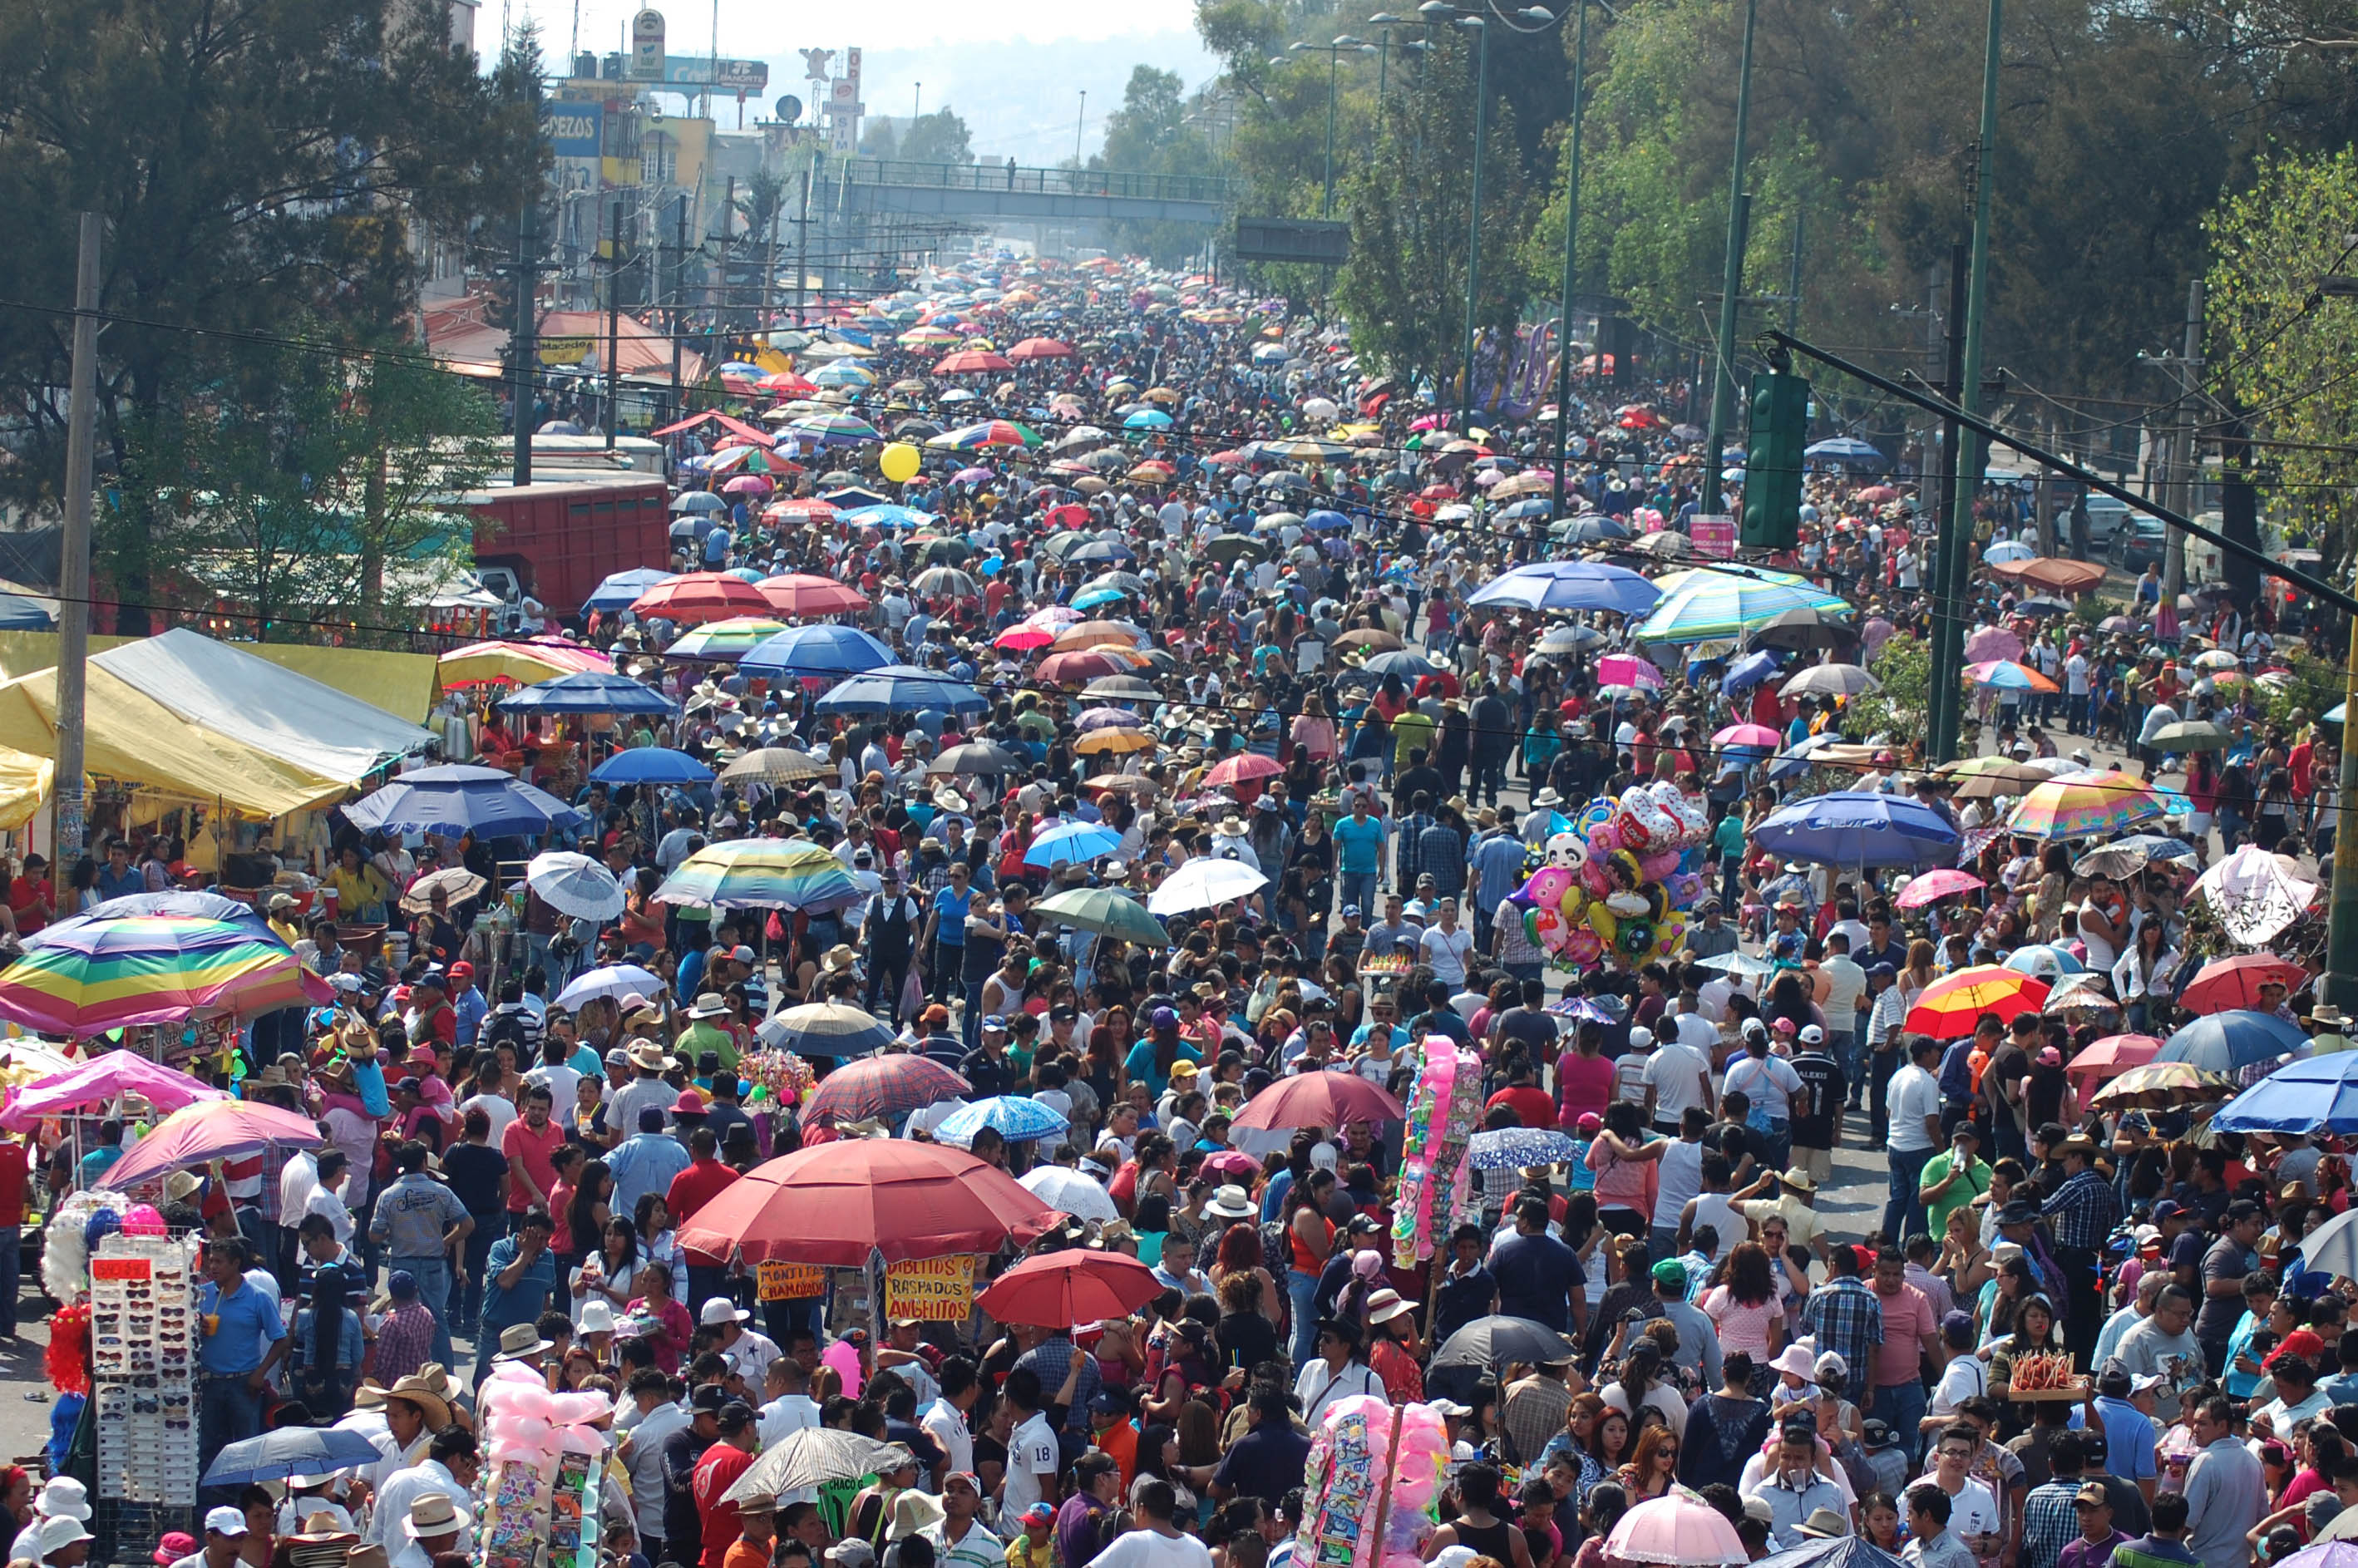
(1072, 841)
(1325, 520)
(1859, 828)
(1530, 506)
(890, 515)
(622, 590)
(651, 764)
(19, 613)
(1843, 448)
(455, 799)
(2231, 1041)
(587, 691)
(2320, 1094)
(1147, 419)
(826, 650)
(1596, 528)
(1749, 671)
(1571, 585)
(902, 688)
(289, 1451)
(1516, 1148)
(1016, 1120)
(1835, 1551)
(2045, 961)
(1796, 759)
(851, 497)
(1098, 596)
(1401, 661)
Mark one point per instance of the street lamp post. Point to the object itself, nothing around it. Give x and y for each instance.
(1333, 52)
(1570, 259)
(1723, 392)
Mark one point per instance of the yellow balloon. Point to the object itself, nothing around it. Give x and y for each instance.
(899, 463)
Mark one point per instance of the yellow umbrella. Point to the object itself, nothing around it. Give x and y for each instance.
(1114, 740)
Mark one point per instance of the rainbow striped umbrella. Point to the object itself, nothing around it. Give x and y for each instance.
(990, 433)
(152, 968)
(833, 430)
(2084, 806)
(761, 873)
(725, 642)
(1709, 605)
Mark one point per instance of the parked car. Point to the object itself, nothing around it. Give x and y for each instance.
(2142, 542)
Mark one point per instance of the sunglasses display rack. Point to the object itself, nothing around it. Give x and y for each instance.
(142, 1369)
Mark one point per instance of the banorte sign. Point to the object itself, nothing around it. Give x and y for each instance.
(647, 46)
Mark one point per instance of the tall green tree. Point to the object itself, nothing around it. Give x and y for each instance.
(939, 137)
(263, 167)
(1157, 131)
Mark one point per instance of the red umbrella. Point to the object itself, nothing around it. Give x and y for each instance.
(808, 510)
(1319, 1099)
(702, 596)
(1040, 348)
(1061, 1289)
(1242, 768)
(801, 593)
(2225, 983)
(969, 362)
(2109, 1057)
(1078, 666)
(883, 1085)
(834, 1204)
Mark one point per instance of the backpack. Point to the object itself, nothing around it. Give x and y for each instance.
(1276, 1248)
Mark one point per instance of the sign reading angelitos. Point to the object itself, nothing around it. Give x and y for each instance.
(775, 1281)
(933, 1290)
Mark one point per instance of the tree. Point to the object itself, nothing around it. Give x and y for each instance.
(2281, 348)
(261, 165)
(306, 485)
(939, 137)
(1151, 134)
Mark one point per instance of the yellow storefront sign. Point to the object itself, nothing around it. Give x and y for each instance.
(932, 1289)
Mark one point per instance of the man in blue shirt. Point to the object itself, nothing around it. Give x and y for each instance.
(119, 878)
(1539, 1277)
(517, 1279)
(1359, 850)
(234, 1320)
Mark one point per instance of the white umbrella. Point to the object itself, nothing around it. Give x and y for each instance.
(1062, 1188)
(2334, 1246)
(1831, 680)
(1203, 883)
(812, 1457)
(2255, 894)
(614, 980)
(575, 885)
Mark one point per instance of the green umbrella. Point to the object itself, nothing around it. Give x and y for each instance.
(2192, 735)
(1105, 912)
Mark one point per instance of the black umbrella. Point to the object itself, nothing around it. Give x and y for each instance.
(1497, 1340)
(1801, 631)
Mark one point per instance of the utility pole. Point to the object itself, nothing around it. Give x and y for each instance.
(521, 335)
(74, 571)
(678, 300)
(1793, 277)
(2188, 468)
(1723, 392)
(1948, 631)
(1570, 252)
(802, 248)
(614, 328)
(1481, 32)
(1945, 696)
(1079, 121)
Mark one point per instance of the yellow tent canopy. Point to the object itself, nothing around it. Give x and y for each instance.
(25, 782)
(132, 739)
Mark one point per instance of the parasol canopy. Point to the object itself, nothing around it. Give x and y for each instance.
(761, 873)
(825, 1029)
(211, 1129)
(812, 1458)
(101, 1080)
(2312, 1096)
(837, 1203)
(1858, 828)
(456, 799)
(1060, 1289)
(90, 976)
(575, 885)
(1017, 1118)
(1678, 1528)
(2231, 1041)
(884, 1086)
(1318, 1099)
(2225, 983)
(1950, 1006)
(1068, 1191)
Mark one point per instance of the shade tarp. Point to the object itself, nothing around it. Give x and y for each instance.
(291, 717)
(403, 683)
(132, 739)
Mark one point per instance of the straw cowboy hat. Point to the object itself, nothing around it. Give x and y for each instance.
(435, 1515)
(648, 1055)
(430, 1400)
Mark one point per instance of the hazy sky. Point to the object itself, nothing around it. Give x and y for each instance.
(1016, 74)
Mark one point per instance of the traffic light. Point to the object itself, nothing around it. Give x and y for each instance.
(1772, 461)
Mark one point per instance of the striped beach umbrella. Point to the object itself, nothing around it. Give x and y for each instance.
(154, 968)
(990, 433)
(825, 1029)
(1708, 605)
(726, 642)
(761, 873)
(834, 429)
(2096, 805)
(1950, 1006)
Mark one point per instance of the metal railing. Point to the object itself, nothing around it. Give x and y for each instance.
(1008, 177)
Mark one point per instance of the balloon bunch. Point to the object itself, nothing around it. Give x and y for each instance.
(1613, 882)
(73, 1233)
(1373, 1467)
(780, 1075)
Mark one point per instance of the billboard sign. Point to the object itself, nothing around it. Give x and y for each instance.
(574, 129)
(741, 76)
(647, 46)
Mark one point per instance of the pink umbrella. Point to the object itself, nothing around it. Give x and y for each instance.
(117, 1072)
(973, 476)
(1629, 669)
(748, 485)
(211, 1129)
(1923, 890)
(1748, 735)
(1677, 1528)
(1319, 1099)
(1992, 643)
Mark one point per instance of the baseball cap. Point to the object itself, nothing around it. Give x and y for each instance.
(1813, 1035)
(1670, 1273)
(225, 1521)
(2092, 1494)
(1038, 1513)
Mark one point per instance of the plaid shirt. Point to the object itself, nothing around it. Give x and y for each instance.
(1410, 859)
(1052, 1358)
(402, 1341)
(2051, 1521)
(1844, 1317)
(2084, 1209)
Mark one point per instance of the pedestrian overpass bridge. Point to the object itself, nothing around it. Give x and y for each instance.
(900, 187)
